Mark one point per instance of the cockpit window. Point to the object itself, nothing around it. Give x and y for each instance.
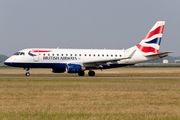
(19, 53)
(22, 53)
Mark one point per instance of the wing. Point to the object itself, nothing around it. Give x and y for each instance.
(106, 61)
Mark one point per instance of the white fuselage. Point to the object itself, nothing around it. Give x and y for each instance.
(47, 58)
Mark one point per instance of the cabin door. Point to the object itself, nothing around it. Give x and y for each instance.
(35, 55)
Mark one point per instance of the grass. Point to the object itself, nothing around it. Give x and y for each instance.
(89, 98)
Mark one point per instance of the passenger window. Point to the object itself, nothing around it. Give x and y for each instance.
(48, 54)
(66, 54)
(52, 54)
(84, 54)
(116, 55)
(70, 54)
(111, 55)
(119, 55)
(89, 54)
(57, 54)
(98, 55)
(94, 55)
(107, 55)
(61, 54)
(75, 54)
(79, 54)
(103, 55)
(44, 54)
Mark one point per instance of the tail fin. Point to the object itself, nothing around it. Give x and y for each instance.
(151, 42)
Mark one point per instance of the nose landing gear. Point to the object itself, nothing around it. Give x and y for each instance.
(27, 73)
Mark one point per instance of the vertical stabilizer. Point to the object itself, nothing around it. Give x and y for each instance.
(151, 42)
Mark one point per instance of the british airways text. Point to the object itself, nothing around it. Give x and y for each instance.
(58, 58)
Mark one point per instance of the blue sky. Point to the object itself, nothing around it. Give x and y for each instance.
(94, 24)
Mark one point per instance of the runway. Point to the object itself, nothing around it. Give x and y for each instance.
(90, 77)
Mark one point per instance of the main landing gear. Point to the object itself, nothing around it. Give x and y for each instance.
(27, 73)
(82, 73)
(90, 73)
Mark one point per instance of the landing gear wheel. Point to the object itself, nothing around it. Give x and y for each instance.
(27, 74)
(81, 73)
(91, 73)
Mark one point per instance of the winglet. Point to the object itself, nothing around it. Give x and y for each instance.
(130, 56)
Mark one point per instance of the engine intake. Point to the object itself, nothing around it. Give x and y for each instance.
(74, 68)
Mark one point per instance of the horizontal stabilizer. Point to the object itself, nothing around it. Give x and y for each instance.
(161, 55)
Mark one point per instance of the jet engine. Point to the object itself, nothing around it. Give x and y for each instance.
(74, 68)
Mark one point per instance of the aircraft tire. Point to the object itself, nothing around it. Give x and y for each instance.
(82, 73)
(27, 74)
(91, 73)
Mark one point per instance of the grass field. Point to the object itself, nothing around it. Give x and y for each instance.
(89, 98)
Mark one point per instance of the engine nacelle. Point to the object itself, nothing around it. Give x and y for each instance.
(55, 70)
(74, 68)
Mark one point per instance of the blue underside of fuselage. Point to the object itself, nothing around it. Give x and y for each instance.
(37, 65)
(56, 65)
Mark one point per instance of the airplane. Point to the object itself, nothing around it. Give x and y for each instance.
(79, 60)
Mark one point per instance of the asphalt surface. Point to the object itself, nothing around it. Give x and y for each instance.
(89, 76)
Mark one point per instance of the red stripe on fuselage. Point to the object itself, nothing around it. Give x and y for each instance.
(40, 51)
(158, 30)
(147, 49)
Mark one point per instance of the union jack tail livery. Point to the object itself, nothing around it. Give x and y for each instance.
(151, 42)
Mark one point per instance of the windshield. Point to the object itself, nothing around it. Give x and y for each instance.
(22, 53)
(19, 53)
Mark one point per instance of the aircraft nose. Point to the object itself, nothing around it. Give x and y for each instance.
(8, 61)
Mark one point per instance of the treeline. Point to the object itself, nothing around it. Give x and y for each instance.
(3, 58)
(170, 59)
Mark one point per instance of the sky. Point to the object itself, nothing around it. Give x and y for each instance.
(86, 24)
